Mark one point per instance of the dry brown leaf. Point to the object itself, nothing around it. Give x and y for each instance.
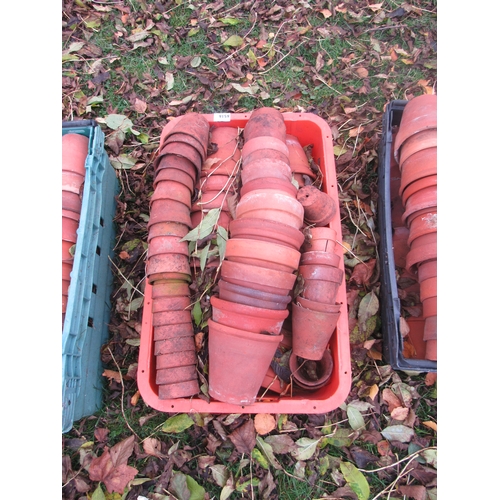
(399, 413)
(432, 425)
(264, 423)
(362, 272)
(430, 378)
(374, 354)
(373, 391)
(384, 447)
(362, 72)
(101, 434)
(355, 131)
(417, 492)
(124, 255)
(244, 438)
(140, 106)
(135, 398)
(152, 446)
(112, 375)
(326, 13)
(391, 399)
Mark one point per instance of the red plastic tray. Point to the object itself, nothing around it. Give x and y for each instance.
(309, 130)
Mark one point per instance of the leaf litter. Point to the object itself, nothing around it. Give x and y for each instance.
(239, 59)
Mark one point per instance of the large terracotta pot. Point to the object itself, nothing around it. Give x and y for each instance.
(266, 230)
(265, 121)
(263, 253)
(176, 175)
(266, 168)
(311, 331)
(176, 375)
(320, 258)
(319, 207)
(271, 205)
(238, 362)
(178, 390)
(171, 190)
(315, 378)
(248, 318)
(169, 211)
(427, 139)
(252, 297)
(258, 278)
(174, 162)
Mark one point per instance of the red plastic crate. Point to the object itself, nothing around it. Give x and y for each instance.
(309, 130)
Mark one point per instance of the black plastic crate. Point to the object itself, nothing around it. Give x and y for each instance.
(389, 300)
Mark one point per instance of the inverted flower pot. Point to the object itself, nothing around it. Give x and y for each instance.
(71, 202)
(69, 229)
(269, 183)
(190, 140)
(311, 331)
(271, 205)
(321, 283)
(169, 211)
(427, 270)
(171, 304)
(172, 190)
(175, 344)
(266, 230)
(422, 225)
(74, 152)
(423, 199)
(266, 168)
(422, 183)
(192, 124)
(320, 258)
(265, 122)
(248, 318)
(176, 375)
(264, 142)
(184, 151)
(299, 164)
(419, 142)
(262, 253)
(428, 288)
(178, 390)
(73, 182)
(238, 362)
(168, 266)
(175, 175)
(321, 239)
(184, 358)
(217, 183)
(211, 199)
(252, 297)
(258, 278)
(311, 377)
(166, 229)
(422, 248)
(265, 155)
(162, 245)
(173, 162)
(170, 288)
(170, 331)
(429, 306)
(172, 317)
(319, 207)
(318, 306)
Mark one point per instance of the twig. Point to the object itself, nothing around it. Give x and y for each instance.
(380, 28)
(355, 225)
(121, 274)
(123, 394)
(409, 457)
(285, 56)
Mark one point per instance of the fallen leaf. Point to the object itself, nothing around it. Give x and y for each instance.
(399, 413)
(281, 443)
(264, 423)
(140, 106)
(417, 492)
(391, 399)
(362, 72)
(430, 378)
(177, 423)
(135, 398)
(432, 425)
(249, 89)
(112, 375)
(305, 448)
(244, 438)
(195, 62)
(399, 433)
(356, 480)
(101, 434)
(152, 446)
(373, 391)
(384, 448)
(233, 41)
(326, 13)
(362, 272)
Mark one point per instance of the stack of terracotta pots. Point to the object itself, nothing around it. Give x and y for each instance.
(415, 150)
(257, 274)
(315, 311)
(177, 172)
(74, 154)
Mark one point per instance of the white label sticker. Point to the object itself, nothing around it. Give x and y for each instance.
(222, 117)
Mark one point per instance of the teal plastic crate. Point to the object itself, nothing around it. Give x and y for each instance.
(85, 327)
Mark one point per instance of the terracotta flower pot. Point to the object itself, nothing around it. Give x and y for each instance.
(217, 183)
(423, 199)
(71, 215)
(193, 124)
(164, 318)
(169, 211)
(175, 175)
(258, 278)
(73, 182)
(163, 245)
(319, 207)
(172, 163)
(424, 224)
(165, 332)
(223, 161)
(428, 288)
(400, 245)
(266, 168)
(69, 229)
(176, 344)
(422, 248)
(75, 148)
(265, 121)
(170, 288)
(165, 304)
(176, 374)
(419, 114)
(271, 205)
(238, 362)
(430, 328)
(252, 297)
(178, 390)
(320, 258)
(248, 318)
(264, 142)
(311, 331)
(171, 190)
(318, 306)
(166, 229)
(211, 199)
(263, 254)
(308, 376)
(184, 358)
(265, 155)
(168, 266)
(321, 283)
(421, 164)
(427, 270)
(419, 142)
(299, 163)
(71, 202)
(185, 151)
(190, 140)
(269, 183)
(429, 307)
(319, 239)
(414, 187)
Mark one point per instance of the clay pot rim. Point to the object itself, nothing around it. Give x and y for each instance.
(425, 139)
(236, 332)
(253, 293)
(246, 310)
(307, 271)
(188, 138)
(422, 182)
(277, 183)
(288, 254)
(318, 306)
(317, 384)
(264, 142)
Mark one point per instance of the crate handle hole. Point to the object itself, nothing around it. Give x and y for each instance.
(98, 250)
(94, 288)
(90, 322)
(101, 222)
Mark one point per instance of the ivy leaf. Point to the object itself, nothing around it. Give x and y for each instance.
(233, 41)
(177, 423)
(356, 480)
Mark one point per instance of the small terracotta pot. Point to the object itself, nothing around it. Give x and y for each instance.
(400, 245)
(170, 289)
(69, 229)
(428, 289)
(166, 332)
(266, 168)
(176, 344)
(319, 239)
(421, 164)
(168, 263)
(238, 362)
(318, 306)
(67, 267)
(185, 151)
(302, 376)
(165, 304)
(271, 205)
(258, 278)
(431, 350)
(265, 155)
(321, 283)
(178, 390)
(166, 229)
(173, 162)
(418, 254)
(223, 161)
(418, 142)
(171, 190)
(175, 175)
(252, 297)
(263, 254)
(71, 202)
(187, 139)
(422, 183)
(184, 358)
(311, 331)
(193, 124)
(75, 148)
(319, 207)
(169, 211)
(248, 318)
(320, 258)
(420, 113)
(427, 270)
(71, 215)
(72, 182)
(264, 142)
(171, 317)
(266, 230)
(430, 328)
(423, 199)
(299, 163)
(162, 245)
(429, 307)
(176, 374)
(269, 183)
(421, 225)
(265, 121)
